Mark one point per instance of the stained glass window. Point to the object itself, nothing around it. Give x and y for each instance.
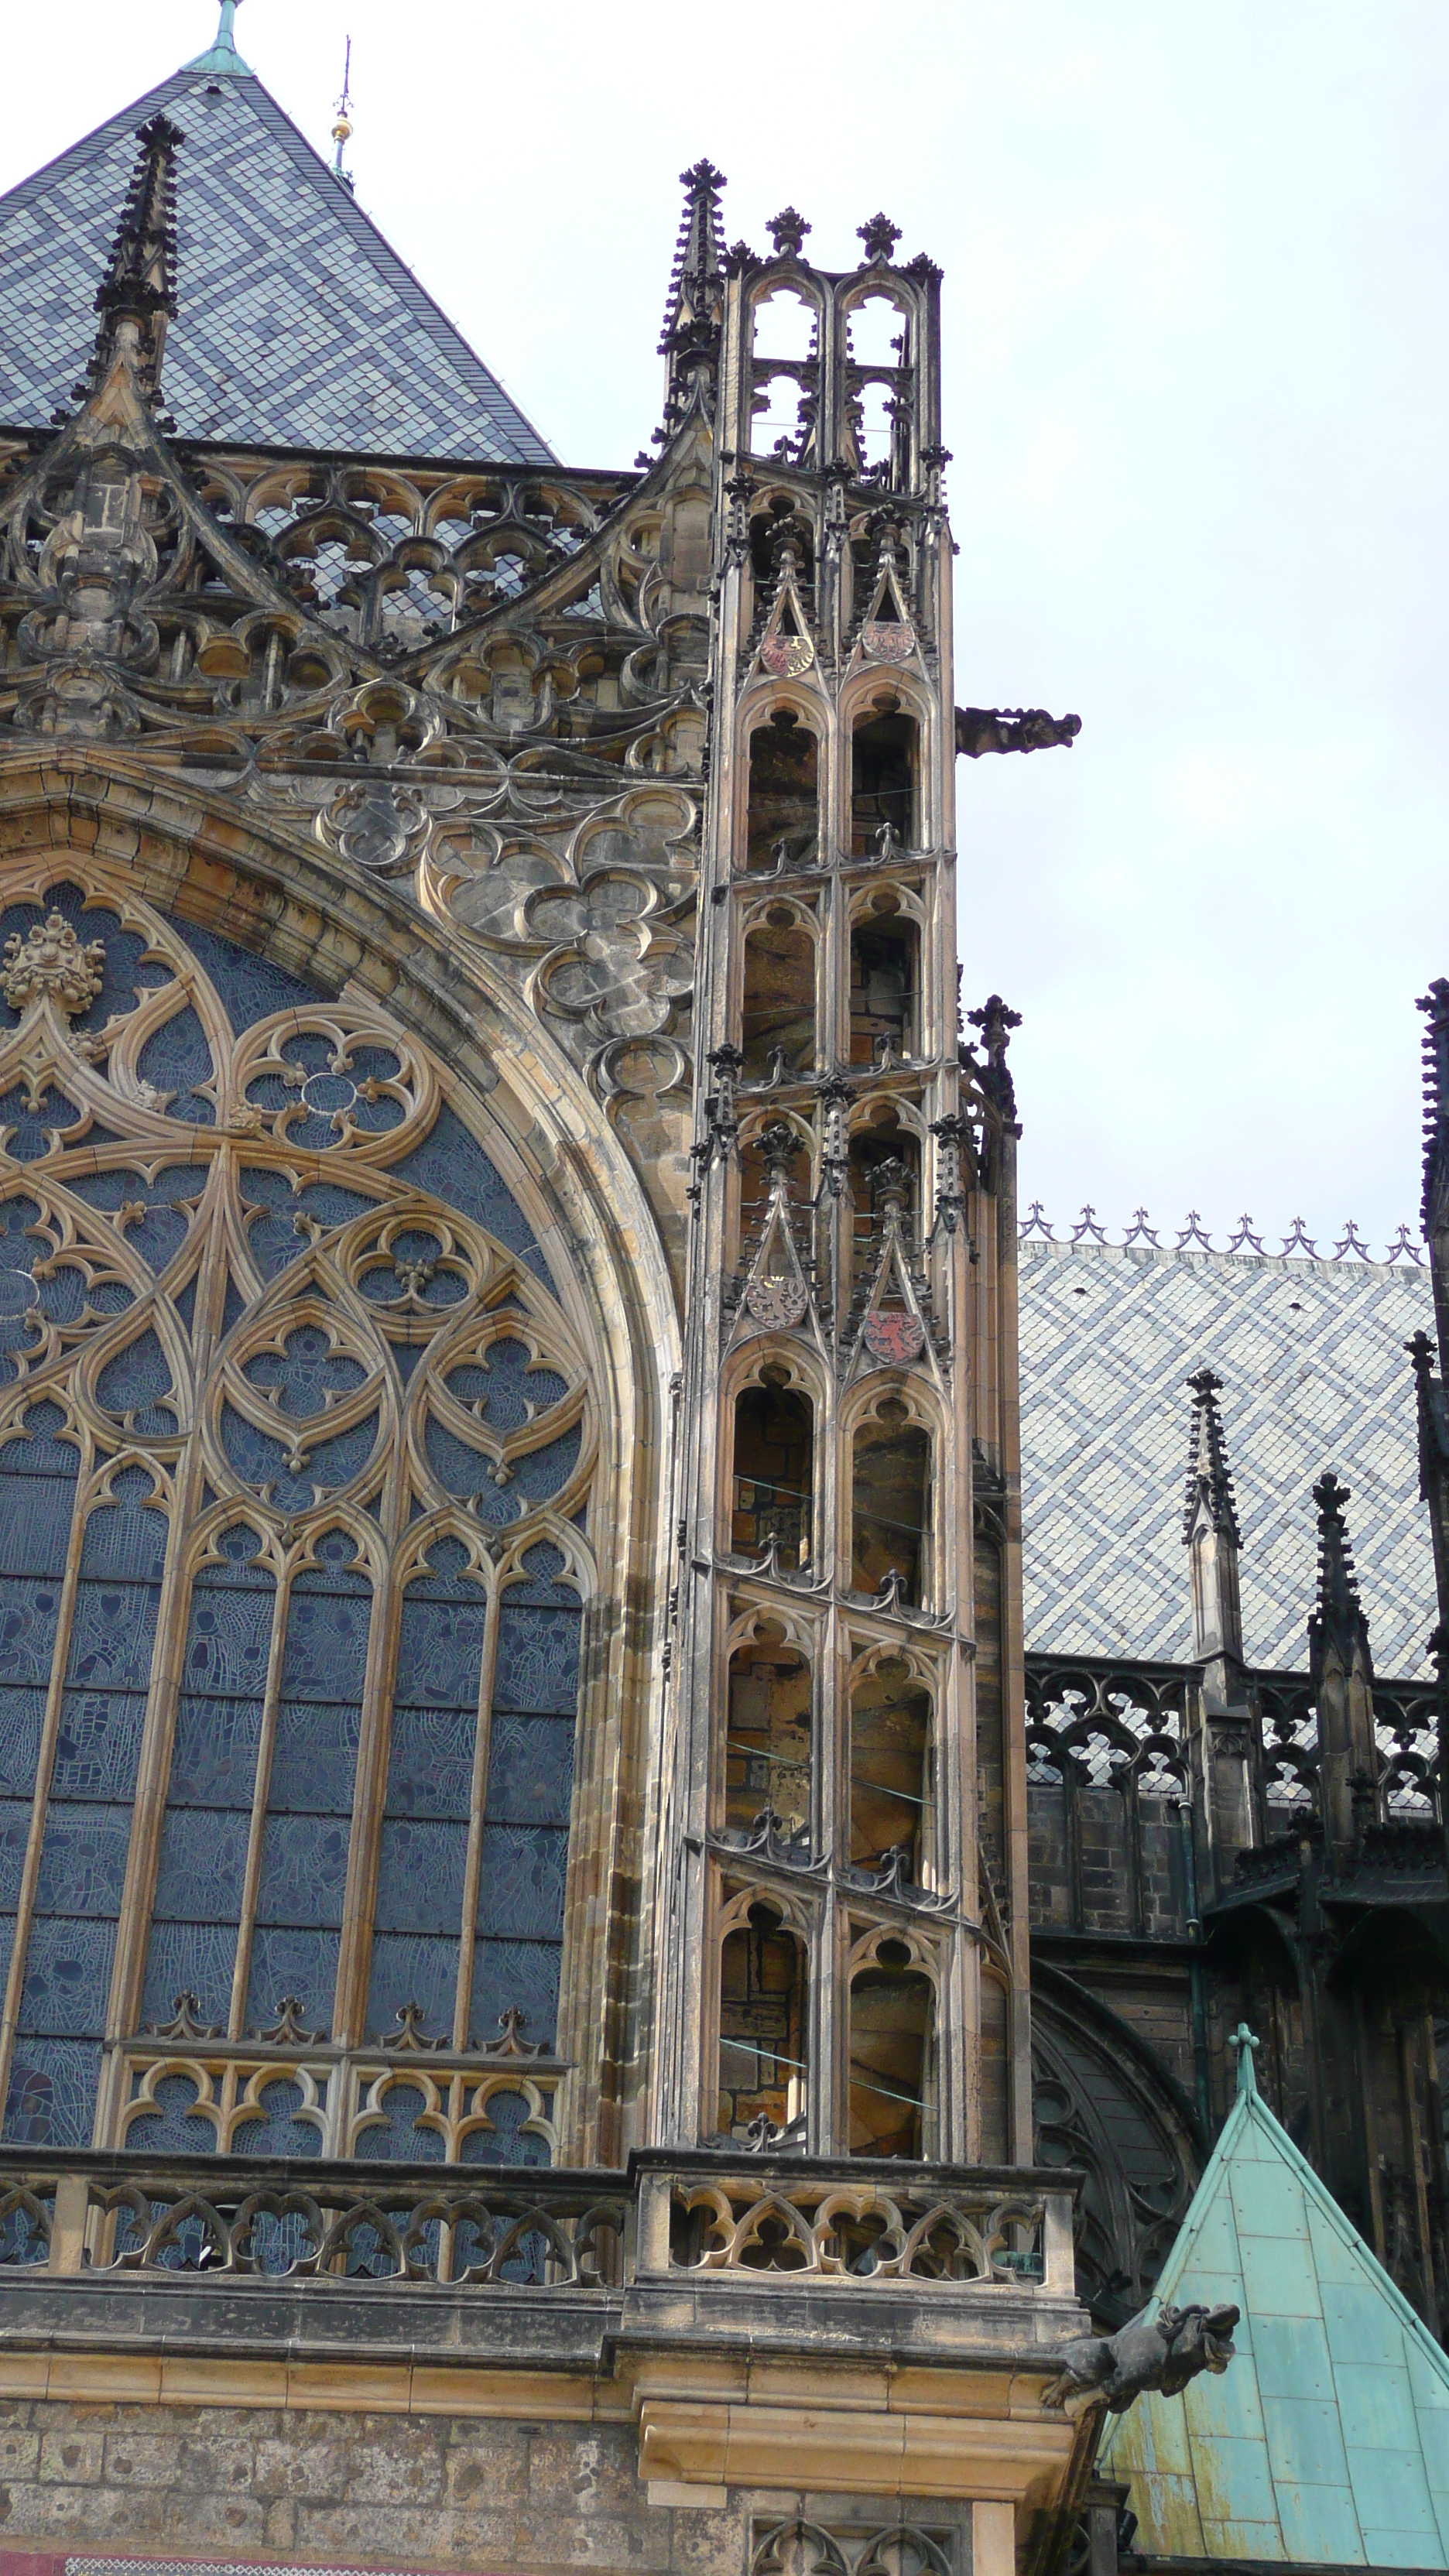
(270, 1318)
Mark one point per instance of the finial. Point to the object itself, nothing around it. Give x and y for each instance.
(1338, 1618)
(1245, 2041)
(787, 231)
(880, 237)
(342, 117)
(137, 295)
(996, 1022)
(222, 56)
(1209, 1481)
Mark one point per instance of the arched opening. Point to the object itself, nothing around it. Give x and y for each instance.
(778, 414)
(890, 1772)
(890, 1497)
(763, 2024)
(768, 1744)
(892, 2026)
(883, 782)
(884, 1141)
(884, 989)
(784, 325)
(784, 809)
(777, 1025)
(876, 329)
(773, 1470)
(875, 421)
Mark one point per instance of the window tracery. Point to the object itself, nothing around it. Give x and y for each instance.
(289, 1623)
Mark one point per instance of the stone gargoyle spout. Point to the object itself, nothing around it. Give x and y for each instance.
(1163, 2352)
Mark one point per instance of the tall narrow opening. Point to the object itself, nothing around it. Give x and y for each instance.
(870, 1149)
(773, 1470)
(767, 1747)
(763, 2024)
(890, 1784)
(891, 2055)
(891, 1488)
(755, 1184)
(784, 806)
(883, 783)
(884, 989)
(777, 1029)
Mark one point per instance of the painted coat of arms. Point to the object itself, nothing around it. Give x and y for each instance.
(777, 1304)
(888, 643)
(787, 655)
(896, 1338)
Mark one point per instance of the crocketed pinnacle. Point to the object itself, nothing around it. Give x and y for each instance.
(696, 280)
(1338, 1619)
(1209, 1479)
(1435, 1005)
(139, 286)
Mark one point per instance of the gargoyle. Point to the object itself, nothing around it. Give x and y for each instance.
(1162, 2352)
(980, 729)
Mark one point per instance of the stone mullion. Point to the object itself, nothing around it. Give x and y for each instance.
(45, 1767)
(369, 1791)
(261, 1789)
(172, 1618)
(477, 1799)
(829, 2090)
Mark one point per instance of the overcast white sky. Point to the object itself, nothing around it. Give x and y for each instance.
(1195, 385)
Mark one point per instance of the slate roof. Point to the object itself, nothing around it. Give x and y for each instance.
(1312, 1358)
(299, 325)
(1326, 2439)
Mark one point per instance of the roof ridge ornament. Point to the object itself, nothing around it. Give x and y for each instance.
(221, 55)
(1245, 2041)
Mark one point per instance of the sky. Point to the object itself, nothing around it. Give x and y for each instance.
(1195, 385)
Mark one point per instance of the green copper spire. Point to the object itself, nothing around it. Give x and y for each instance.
(223, 56)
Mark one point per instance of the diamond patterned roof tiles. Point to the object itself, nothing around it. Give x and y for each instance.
(1312, 1358)
(299, 325)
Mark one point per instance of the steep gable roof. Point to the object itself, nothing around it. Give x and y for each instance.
(299, 325)
(1326, 2440)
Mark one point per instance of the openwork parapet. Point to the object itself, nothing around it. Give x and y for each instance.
(870, 2232)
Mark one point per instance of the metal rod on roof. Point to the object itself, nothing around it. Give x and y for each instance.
(342, 127)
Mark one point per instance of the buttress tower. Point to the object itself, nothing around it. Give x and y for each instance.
(841, 1842)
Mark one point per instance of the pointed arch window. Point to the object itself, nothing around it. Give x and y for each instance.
(295, 1449)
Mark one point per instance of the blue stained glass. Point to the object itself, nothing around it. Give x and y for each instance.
(538, 1657)
(39, 1452)
(82, 1867)
(413, 1968)
(14, 1836)
(505, 1386)
(125, 1539)
(52, 2097)
(251, 988)
(280, 2132)
(412, 1264)
(67, 1974)
(305, 1372)
(328, 1618)
(135, 1384)
(203, 1865)
(542, 1565)
(546, 1471)
(30, 1606)
(98, 1744)
(396, 2138)
(521, 1887)
(213, 1758)
(467, 1472)
(504, 2141)
(168, 2130)
(273, 1234)
(175, 1059)
(229, 1636)
(430, 1771)
(420, 1875)
(440, 1646)
(22, 1714)
(304, 1869)
(315, 1755)
(168, 1201)
(189, 1959)
(530, 1769)
(452, 1164)
(110, 1639)
(326, 1464)
(289, 1961)
(123, 965)
(32, 1129)
(521, 1974)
